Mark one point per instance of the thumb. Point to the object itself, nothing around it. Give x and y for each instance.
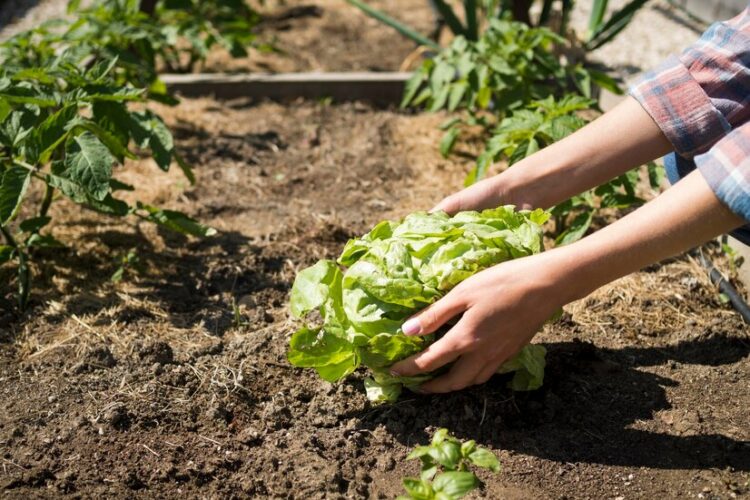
(434, 316)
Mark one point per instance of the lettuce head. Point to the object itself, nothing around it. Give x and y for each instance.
(354, 307)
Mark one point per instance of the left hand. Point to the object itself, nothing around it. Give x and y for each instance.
(503, 308)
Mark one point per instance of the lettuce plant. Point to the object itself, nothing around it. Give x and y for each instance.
(395, 270)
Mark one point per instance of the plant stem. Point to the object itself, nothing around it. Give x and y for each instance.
(23, 268)
(520, 9)
(49, 191)
(8, 237)
(148, 7)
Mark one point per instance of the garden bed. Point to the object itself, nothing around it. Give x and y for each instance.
(175, 381)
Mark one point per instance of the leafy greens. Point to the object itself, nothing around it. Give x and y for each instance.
(395, 270)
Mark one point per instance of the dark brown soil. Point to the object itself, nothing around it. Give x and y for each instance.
(174, 381)
(329, 35)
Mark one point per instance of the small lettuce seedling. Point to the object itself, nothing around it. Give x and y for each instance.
(445, 468)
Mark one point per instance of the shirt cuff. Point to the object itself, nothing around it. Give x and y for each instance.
(726, 168)
(680, 107)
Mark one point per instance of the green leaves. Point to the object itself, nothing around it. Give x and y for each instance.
(6, 253)
(49, 134)
(15, 182)
(394, 271)
(65, 122)
(393, 23)
(312, 287)
(527, 367)
(446, 466)
(88, 163)
(331, 356)
(455, 484)
(149, 131)
(508, 66)
(601, 32)
(176, 221)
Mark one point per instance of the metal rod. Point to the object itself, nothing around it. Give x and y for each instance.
(726, 288)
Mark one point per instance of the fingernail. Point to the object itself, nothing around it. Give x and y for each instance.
(419, 390)
(411, 327)
(394, 373)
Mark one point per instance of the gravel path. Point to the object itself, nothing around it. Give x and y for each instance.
(657, 31)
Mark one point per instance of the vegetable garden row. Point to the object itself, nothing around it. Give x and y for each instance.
(150, 313)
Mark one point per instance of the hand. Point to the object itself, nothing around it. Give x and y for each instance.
(503, 308)
(487, 193)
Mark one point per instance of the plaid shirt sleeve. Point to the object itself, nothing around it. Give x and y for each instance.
(701, 96)
(726, 168)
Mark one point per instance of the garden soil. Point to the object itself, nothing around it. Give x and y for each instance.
(174, 381)
(330, 35)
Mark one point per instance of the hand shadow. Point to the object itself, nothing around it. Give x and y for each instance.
(583, 413)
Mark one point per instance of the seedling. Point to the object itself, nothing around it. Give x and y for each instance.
(446, 468)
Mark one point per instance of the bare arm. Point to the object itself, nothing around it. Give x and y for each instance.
(619, 140)
(504, 306)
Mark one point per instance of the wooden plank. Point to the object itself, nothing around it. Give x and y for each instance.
(382, 88)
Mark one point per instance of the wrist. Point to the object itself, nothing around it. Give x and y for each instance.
(572, 272)
(534, 182)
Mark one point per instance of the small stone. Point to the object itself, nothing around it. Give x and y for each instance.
(249, 436)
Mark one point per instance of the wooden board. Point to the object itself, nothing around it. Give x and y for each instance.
(380, 88)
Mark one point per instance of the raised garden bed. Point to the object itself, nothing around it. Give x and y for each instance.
(158, 386)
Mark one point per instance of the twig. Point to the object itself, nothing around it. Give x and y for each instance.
(152, 451)
(211, 440)
(13, 463)
(484, 412)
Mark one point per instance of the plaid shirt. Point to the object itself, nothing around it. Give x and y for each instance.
(701, 101)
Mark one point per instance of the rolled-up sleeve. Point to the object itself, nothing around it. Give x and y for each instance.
(701, 96)
(726, 168)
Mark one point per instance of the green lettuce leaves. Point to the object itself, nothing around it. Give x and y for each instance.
(387, 275)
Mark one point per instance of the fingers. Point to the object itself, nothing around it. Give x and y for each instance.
(486, 373)
(442, 352)
(483, 194)
(462, 374)
(434, 316)
(450, 205)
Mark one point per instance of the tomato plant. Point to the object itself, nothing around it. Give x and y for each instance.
(172, 36)
(69, 128)
(72, 97)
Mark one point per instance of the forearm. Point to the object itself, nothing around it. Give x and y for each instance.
(686, 215)
(619, 140)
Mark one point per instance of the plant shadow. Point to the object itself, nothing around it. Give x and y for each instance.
(591, 399)
(192, 281)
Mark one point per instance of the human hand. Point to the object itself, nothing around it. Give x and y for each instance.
(515, 186)
(487, 193)
(503, 308)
